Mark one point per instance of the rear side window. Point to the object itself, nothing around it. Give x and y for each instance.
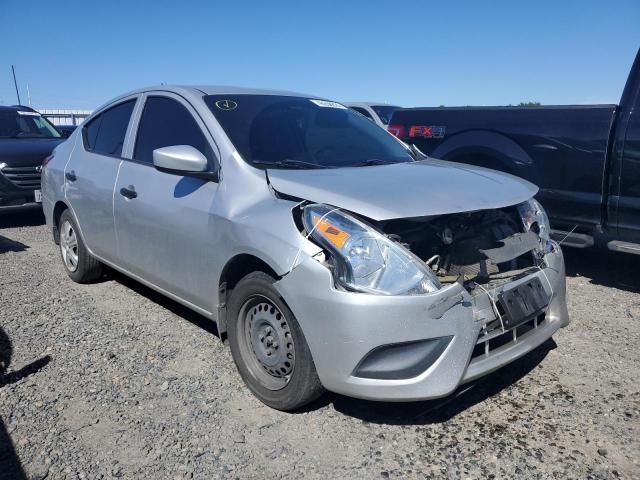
(105, 133)
(164, 123)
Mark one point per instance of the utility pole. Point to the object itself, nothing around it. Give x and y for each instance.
(15, 83)
(28, 95)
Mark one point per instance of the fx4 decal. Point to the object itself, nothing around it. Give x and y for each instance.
(433, 131)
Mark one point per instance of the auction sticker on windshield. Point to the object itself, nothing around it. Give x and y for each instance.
(226, 104)
(325, 103)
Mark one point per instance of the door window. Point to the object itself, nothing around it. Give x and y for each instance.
(105, 133)
(164, 123)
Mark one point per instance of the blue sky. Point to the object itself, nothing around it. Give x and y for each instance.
(79, 54)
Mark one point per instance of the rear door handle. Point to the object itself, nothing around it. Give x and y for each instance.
(129, 192)
(71, 176)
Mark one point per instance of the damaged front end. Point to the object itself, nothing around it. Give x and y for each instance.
(411, 256)
(411, 308)
(482, 247)
(494, 255)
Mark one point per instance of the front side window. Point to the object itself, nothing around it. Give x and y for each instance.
(164, 123)
(25, 124)
(275, 131)
(105, 133)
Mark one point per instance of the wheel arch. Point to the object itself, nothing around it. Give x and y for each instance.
(236, 268)
(58, 209)
(488, 149)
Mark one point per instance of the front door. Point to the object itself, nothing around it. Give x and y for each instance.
(165, 232)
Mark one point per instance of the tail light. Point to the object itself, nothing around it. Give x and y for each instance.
(397, 130)
(47, 160)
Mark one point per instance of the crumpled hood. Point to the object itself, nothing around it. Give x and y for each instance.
(415, 189)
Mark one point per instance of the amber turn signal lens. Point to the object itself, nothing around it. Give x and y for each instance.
(332, 233)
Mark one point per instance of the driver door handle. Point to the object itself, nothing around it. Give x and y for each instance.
(129, 192)
(71, 176)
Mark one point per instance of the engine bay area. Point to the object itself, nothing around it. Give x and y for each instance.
(480, 247)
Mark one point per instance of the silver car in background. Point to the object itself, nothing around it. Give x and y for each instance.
(378, 113)
(330, 254)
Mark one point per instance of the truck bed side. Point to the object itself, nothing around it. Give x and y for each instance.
(562, 149)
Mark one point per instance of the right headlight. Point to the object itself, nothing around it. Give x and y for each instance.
(366, 260)
(535, 219)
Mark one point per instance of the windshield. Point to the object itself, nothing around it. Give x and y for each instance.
(274, 131)
(384, 112)
(25, 124)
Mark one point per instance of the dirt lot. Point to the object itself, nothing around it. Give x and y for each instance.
(112, 380)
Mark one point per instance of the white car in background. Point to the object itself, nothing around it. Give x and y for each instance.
(378, 113)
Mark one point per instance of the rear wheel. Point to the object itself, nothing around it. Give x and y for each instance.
(268, 346)
(80, 265)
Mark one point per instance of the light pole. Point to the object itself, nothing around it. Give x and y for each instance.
(15, 83)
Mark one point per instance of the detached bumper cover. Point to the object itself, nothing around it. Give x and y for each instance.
(344, 328)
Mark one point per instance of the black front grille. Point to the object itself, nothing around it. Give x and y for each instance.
(489, 341)
(23, 177)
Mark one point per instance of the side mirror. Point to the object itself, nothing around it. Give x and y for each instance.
(183, 160)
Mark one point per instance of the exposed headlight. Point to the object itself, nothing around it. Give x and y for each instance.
(535, 219)
(366, 260)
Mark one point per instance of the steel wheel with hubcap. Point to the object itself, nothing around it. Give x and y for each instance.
(268, 345)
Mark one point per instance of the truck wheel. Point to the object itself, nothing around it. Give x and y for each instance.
(80, 265)
(268, 346)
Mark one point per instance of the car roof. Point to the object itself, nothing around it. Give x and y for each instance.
(370, 104)
(15, 108)
(217, 90)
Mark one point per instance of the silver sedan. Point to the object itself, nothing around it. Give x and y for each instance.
(331, 255)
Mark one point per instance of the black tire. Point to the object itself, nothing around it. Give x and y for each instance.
(287, 392)
(85, 268)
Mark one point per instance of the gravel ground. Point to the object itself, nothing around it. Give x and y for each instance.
(112, 380)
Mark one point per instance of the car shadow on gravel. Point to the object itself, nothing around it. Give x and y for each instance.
(27, 216)
(603, 267)
(10, 465)
(440, 410)
(165, 302)
(8, 245)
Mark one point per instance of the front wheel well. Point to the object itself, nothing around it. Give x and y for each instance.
(58, 209)
(235, 270)
(242, 265)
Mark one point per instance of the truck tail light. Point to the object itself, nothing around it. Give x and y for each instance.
(397, 130)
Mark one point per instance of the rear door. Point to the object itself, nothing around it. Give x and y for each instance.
(166, 235)
(629, 198)
(91, 172)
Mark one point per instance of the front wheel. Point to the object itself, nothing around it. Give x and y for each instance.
(268, 345)
(80, 265)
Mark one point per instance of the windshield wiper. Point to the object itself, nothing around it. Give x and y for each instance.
(289, 163)
(416, 153)
(375, 161)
